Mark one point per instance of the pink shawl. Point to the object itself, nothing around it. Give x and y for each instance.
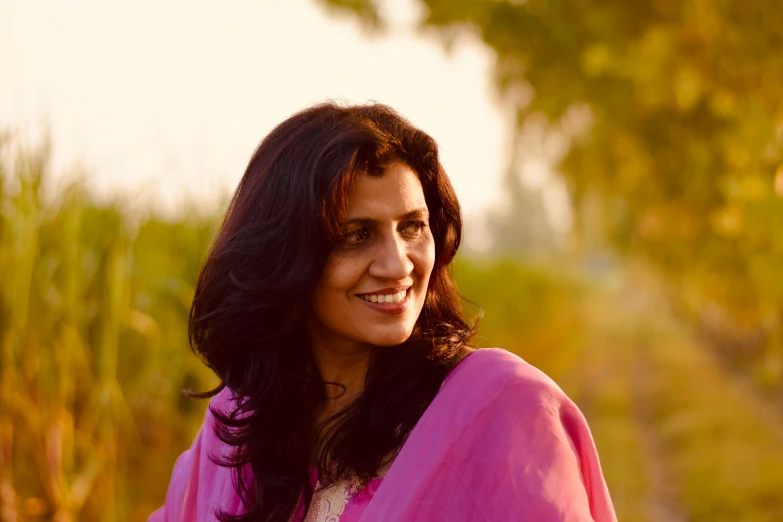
(500, 441)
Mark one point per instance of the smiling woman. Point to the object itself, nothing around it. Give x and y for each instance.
(326, 308)
(382, 264)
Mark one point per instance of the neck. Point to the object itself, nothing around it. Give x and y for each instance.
(340, 363)
(346, 368)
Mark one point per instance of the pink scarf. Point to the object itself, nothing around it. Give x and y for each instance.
(500, 441)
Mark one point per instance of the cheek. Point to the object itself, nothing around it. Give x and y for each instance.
(338, 277)
(424, 258)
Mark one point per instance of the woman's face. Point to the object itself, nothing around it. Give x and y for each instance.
(372, 289)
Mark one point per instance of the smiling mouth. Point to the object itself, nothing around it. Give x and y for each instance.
(386, 298)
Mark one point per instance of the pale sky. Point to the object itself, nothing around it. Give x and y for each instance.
(168, 99)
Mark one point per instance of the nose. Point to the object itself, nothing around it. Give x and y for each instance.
(391, 261)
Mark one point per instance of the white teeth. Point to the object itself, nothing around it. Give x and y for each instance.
(386, 298)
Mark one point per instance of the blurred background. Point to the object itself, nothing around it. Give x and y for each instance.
(620, 166)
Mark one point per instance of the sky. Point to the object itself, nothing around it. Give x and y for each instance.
(165, 101)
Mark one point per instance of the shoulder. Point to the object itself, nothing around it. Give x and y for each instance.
(500, 373)
(508, 394)
(493, 387)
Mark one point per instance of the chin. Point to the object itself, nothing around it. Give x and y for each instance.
(391, 338)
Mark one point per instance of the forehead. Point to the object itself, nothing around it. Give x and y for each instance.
(392, 194)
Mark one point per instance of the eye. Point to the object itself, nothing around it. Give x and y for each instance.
(355, 237)
(414, 228)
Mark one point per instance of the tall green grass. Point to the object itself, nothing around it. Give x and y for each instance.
(93, 315)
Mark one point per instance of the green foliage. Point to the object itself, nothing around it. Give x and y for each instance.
(93, 318)
(725, 457)
(680, 436)
(525, 309)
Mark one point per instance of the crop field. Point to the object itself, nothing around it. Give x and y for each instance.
(94, 357)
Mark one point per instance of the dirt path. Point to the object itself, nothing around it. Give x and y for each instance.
(616, 351)
(662, 501)
(708, 448)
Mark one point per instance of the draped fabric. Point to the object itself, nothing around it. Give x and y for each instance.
(500, 441)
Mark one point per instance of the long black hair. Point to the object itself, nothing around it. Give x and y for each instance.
(246, 319)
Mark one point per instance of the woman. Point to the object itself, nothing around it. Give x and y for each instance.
(349, 391)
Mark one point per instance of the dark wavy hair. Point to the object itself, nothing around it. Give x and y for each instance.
(246, 320)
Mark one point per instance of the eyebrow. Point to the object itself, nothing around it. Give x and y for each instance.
(417, 213)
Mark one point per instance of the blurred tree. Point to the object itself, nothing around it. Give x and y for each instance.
(685, 142)
(521, 226)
